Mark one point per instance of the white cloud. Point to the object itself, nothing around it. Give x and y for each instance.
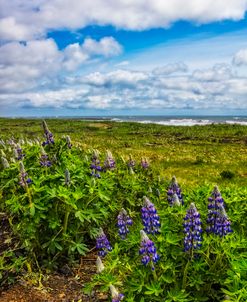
(37, 17)
(170, 68)
(240, 57)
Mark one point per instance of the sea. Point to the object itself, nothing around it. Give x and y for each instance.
(174, 120)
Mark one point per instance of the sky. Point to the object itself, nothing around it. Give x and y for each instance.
(123, 57)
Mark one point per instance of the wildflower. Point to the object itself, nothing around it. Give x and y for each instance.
(95, 165)
(24, 180)
(192, 229)
(223, 224)
(68, 141)
(131, 163)
(5, 162)
(67, 177)
(102, 244)
(44, 160)
(144, 163)
(18, 152)
(148, 251)
(109, 161)
(123, 222)
(99, 265)
(116, 297)
(174, 189)
(150, 218)
(48, 135)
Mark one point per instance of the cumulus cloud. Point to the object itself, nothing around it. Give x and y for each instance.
(170, 68)
(38, 17)
(240, 57)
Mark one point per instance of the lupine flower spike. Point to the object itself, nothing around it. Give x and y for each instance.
(102, 244)
(48, 135)
(109, 161)
(148, 251)
(223, 224)
(150, 218)
(115, 295)
(144, 163)
(44, 160)
(18, 152)
(123, 222)
(192, 229)
(99, 265)
(174, 189)
(95, 165)
(131, 163)
(68, 141)
(24, 179)
(67, 178)
(5, 162)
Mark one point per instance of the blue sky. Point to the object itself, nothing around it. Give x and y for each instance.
(123, 57)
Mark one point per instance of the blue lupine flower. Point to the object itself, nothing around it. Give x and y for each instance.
(174, 189)
(109, 161)
(44, 160)
(24, 179)
(95, 165)
(150, 218)
(18, 152)
(148, 251)
(116, 296)
(48, 135)
(68, 141)
(217, 220)
(144, 163)
(123, 221)
(131, 163)
(192, 229)
(102, 244)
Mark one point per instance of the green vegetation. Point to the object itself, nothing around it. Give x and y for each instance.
(56, 218)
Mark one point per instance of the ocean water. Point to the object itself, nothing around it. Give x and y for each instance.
(177, 120)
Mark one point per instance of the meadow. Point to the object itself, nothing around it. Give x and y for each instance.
(66, 199)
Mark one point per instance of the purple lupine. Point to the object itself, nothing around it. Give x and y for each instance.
(174, 189)
(48, 135)
(223, 224)
(123, 223)
(109, 161)
(131, 163)
(24, 179)
(102, 244)
(116, 296)
(18, 152)
(215, 201)
(148, 251)
(150, 218)
(44, 159)
(192, 229)
(68, 141)
(95, 165)
(144, 163)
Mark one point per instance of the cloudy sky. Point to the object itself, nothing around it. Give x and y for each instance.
(115, 57)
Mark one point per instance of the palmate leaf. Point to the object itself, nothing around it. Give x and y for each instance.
(154, 289)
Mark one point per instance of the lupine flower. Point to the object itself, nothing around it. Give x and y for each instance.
(102, 244)
(148, 251)
(131, 163)
(218, 222)
(123, 221)
(150, 218)
(116, 297)
(5, 162)
(109, 161)
(44, 160)
(18, 152)
(48, 135)
(67, 177)
(24, 179)
(99, 265)
(174, 189)
(95, 165)
(144, 163)
(68, 141)
(192, 229)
